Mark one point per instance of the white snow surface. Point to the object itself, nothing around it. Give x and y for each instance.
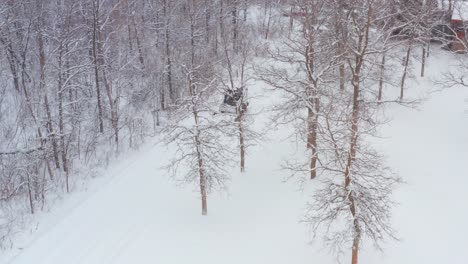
(136, 214)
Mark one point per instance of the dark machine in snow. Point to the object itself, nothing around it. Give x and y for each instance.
(234, 101)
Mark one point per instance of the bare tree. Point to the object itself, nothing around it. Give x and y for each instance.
(199, 139)
(308, 51)
(236, 62)
(354, 203)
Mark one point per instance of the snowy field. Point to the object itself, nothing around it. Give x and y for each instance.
(136, 214)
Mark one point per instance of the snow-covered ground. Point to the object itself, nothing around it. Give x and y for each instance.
(136, 214)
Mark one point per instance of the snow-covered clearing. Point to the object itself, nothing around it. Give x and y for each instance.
(136, 214)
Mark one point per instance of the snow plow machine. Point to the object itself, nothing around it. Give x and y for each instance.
(234, 100)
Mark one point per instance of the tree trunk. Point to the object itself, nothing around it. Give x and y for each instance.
(312, 141)
(405, 71)
(221, 26)
(162, 98)
(49, 126)
(267, 30)
(50, 131)
(31, 202)
(207, 22)
(63, 150)
(342, 77)
(203, 194)
(234, 26)
(246, 6)
(351, 157)
(113, 107)
(312, 110)
(241, 141)
(341, 68)
(201, 171)
(423, 61)
(381, 80)
(291, 22)
(355, 251)
(341, 37)
(169, 67)
(168, 56)
(194, 97)
(96, 65)
(355, 116)
(202, 180)
(138, 42)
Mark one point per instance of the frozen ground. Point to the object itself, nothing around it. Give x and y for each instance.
(135, 214)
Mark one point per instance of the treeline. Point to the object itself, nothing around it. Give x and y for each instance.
(83, 80)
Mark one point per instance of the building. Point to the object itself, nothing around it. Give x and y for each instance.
(459, 25)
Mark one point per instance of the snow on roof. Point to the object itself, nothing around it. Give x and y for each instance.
(460, 12)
